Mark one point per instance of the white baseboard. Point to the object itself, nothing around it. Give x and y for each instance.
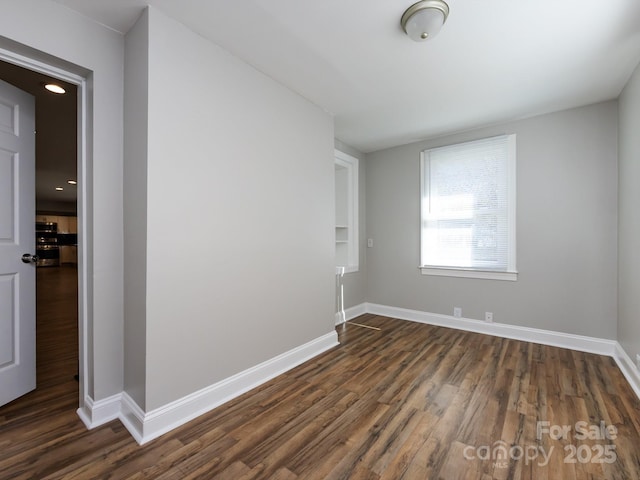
(147, 426)
(132, 417)
(355, 311)
(546, 337)
(351, 313)
(96, 413)
(628, 368)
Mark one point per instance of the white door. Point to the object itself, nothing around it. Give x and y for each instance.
(17, 238)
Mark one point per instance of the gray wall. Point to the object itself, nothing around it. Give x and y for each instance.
(240, 220)
(355, 283)
(566, 228)
(629, 222)
(136, 131)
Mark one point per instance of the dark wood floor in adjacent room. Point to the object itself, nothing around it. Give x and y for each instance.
(409, 401)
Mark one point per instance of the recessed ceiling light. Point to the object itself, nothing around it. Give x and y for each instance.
(52, 87)
(72, 182)
(59, 189)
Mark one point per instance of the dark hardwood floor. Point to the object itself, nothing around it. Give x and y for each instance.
(57, 326)
(409, 401)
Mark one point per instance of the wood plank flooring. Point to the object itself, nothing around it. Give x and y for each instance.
(410, 401)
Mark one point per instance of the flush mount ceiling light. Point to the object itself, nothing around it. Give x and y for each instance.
(52, 87)
(72, 182)
(423, 20)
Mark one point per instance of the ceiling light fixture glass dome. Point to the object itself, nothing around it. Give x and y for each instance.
(423, 20)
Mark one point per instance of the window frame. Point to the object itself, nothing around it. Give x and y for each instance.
(511, 273)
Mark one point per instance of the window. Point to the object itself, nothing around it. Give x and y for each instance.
(468, 209)
(346, 178)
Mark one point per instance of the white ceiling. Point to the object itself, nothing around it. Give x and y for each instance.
(493, 61)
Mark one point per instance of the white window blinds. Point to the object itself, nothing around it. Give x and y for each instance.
(468, 206)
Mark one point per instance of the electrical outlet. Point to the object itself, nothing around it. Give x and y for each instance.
(369, 242)
(457, 312)
(638, 362)
(488, 316)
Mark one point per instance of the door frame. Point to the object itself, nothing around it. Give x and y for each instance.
(84, 162)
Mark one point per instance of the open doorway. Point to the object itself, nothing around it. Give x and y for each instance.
(57, 343)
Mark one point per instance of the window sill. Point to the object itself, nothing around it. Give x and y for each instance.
(460, 272)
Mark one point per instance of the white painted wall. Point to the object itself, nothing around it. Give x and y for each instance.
(566, 228)
(240, 213)
(629, 222)
(65, 38)
(355, 285)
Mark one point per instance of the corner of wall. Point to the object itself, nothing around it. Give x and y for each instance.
(136, 119)
(628, 368)
(628, 328)
(96, 413)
